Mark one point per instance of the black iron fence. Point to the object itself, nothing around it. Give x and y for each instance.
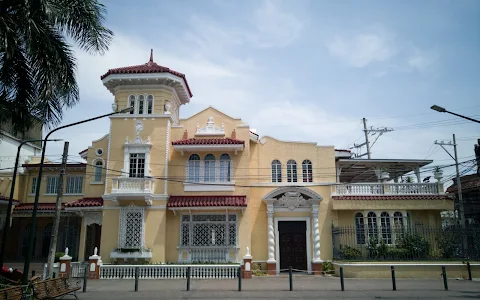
(402, 244)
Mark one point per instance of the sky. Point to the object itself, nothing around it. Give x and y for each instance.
(304, 70)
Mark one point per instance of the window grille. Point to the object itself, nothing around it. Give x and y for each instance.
(52, 184)
(276, 171)
(132, 227)
(74, 185)
(291, 171)
(137, 165)
(208, 230)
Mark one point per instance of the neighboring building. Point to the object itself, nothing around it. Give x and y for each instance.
(207, 187)
(471, 198)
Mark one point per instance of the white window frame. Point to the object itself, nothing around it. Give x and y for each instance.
(143, 148)
(395, 234)
(292, 171)
(96, 170)
(136, 157)
(48, 187)
(276, 167)
(307, 167)
(137, 99)
(123, 238)
(33, 188)
(74, 191)
(225, 167)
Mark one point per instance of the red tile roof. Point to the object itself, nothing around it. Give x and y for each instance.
(212, 141)
(207, 201)
(86, 202)
(3, 198)
(393, 197)
(29, 207)
(149, 67)
(468, 182)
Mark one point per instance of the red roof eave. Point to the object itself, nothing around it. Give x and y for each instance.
(207, 201)
(23, 207)
(392, 197)
(211, 141)
(85, 202)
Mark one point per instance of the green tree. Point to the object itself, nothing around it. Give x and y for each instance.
(37, 64)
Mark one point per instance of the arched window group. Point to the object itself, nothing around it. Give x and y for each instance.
(376, 228)
(143, 104)
(292, 173)
(210, 169)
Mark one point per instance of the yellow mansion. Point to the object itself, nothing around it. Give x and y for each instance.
(164, 189)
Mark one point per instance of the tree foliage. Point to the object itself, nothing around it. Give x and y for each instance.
(37, 64)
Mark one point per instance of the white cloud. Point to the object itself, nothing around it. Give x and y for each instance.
(362, 49)
(422, 60)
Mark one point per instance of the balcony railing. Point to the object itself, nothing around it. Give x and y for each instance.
(123, 185)
(386, 189)
(209, 254)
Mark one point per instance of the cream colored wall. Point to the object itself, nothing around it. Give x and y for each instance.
(439, 205)
(92, 188)
(156, 233)
(109, 239)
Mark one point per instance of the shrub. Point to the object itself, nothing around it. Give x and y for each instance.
(397, 253)
(415, 245)
(58, 255)
(447, 244)
(350, 253)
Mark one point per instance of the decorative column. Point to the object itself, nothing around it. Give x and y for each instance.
(65, 265)
(316, 262)
(271, 263)
(94, 263)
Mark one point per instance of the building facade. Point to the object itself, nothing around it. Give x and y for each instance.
(164, 189)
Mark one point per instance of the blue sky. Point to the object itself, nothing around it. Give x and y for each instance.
(304, 70)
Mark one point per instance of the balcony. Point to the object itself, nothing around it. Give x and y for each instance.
(126, 188)
(217, 254)
(374, 189)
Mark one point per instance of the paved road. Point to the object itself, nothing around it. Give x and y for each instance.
(305, 287)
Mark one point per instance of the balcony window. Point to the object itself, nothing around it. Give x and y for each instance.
(137, 165)
(276, 171)
(52, 184)
(307, 171)
(209, 172)
(225, 167)
(291, 171)
(74, 185)
(194, 168)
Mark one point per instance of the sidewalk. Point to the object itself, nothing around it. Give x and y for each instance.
(304, 287)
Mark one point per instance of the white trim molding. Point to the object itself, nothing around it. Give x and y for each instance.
(228, 186)
(205, 148)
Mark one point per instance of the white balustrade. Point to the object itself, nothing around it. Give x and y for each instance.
(169, 271)
(132, 185)
(387, 189)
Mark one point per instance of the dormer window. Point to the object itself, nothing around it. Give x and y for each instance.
(143, 104)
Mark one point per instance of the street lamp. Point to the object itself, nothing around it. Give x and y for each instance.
(28, 255)
(10, 199)
(443, 110)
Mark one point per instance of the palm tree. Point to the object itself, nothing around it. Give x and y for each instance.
(37, 64)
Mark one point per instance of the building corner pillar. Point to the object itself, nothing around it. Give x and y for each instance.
(271, 263)
(317, 262)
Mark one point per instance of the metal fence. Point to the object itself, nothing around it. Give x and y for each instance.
(403, 244)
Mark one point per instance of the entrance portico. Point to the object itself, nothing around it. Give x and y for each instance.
(285, 233)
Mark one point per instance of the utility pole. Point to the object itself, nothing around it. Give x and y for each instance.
(367, 131)
(459, 183)
(366, 137)
(58, 207)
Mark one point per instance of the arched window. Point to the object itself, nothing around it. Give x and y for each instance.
(98, 171)
(307, 171)
(209, 174)
(276, 171)
(359, 228)
(225, 167)
(141, 103)
(194, 168)
(291, 171)
(149, 104)
(132, 103)
(385, 227)
(372, 226)
(398, 228)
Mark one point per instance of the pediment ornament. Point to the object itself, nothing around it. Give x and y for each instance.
(210, 128)
(293, 200)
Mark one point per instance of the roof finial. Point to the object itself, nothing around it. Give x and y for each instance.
(151, 55)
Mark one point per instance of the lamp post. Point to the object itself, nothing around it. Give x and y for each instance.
(441, 109)
(28, 255)
(10, 200)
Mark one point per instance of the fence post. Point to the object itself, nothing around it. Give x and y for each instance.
(53, 275)
(444, 274)
(239, 274)
(342, 284)
(469, 269)
(137, 274)
(394, 284)
(85, 277)
(188, 278)
(290, 277)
